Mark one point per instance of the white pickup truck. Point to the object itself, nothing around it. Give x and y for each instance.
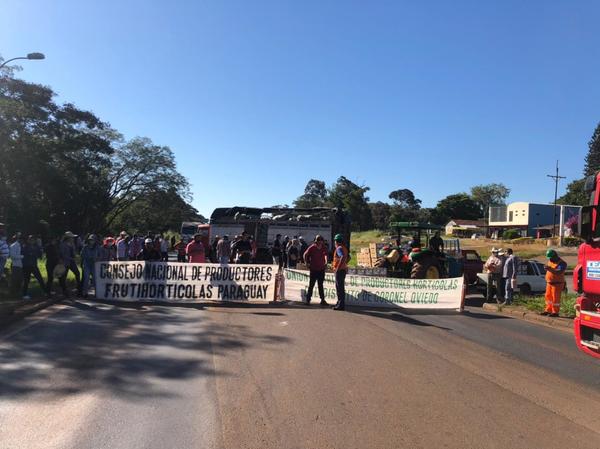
(531, 278)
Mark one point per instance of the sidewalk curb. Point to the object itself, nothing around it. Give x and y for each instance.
(23, 312)
(565, 324)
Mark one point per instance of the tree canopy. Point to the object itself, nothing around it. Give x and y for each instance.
(64, 168)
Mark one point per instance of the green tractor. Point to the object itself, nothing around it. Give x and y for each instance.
(417, 259)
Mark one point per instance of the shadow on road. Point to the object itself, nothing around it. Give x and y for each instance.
(394, 316)
(124, 352)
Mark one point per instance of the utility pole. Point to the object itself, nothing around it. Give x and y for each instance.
(556, 179)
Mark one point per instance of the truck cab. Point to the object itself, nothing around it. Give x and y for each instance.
(586, 275)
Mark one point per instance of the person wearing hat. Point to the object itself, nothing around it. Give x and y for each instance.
(108, 252)
(149, 253)
(340, 267)
(90, 254)
(315, 258)
(493, 266)
(67, 258)
(555, 282)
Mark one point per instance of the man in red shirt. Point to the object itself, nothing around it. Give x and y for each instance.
(195, 250)
(315, 258)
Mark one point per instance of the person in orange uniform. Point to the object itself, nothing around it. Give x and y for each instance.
(555, 282)
(340, 268)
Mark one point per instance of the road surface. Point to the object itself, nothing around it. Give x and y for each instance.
(89, 375)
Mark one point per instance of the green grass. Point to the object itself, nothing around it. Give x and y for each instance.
(538, 303)
(362, 239)
(35, 289)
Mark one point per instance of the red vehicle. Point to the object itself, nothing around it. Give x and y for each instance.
(586, 276)
(472, 264)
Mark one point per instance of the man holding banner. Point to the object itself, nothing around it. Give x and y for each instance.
(340, 267)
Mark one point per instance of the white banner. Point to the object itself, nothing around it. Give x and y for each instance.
(374, 291)
(187, 282)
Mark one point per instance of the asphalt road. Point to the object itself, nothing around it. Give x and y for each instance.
(88, 375)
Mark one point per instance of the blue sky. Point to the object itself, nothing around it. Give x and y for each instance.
(257, 97)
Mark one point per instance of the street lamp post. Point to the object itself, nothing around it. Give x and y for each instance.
(33, 56)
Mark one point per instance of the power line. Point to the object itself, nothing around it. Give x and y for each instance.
(556, 179)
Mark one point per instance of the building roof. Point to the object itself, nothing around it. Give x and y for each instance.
(478, 223)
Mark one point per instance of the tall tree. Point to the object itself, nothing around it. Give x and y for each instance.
(592, 159)
(459, 205)
(139, 169)
(487, 195)
(381, 214)
(405, 199)
(146, 215)
(63, 168)
(315, 195)
(347, 195)
(575, 195)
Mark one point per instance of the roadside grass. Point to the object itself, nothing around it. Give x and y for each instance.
(538, 303)
(35, 290)
(360, 240)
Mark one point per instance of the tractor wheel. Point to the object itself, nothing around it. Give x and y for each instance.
(426, 267)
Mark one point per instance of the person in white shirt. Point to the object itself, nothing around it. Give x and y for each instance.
(164, 248)
(16, 258)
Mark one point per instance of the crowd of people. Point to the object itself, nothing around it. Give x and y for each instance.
(503, 268)
(60, 253)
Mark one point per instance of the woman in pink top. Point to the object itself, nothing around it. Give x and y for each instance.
(195, 250)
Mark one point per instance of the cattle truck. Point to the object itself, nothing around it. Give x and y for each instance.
(263, 224)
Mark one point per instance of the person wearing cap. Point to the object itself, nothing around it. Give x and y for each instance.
(223, 250)
(149, 253)
(303, 248)
(493, 266)
(315, 258)
(195, 250)
(555, 282)
(90, 254)
(31, 253)
(340, 268)
(67, 257)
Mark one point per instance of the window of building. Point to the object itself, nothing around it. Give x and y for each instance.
(510, 216)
